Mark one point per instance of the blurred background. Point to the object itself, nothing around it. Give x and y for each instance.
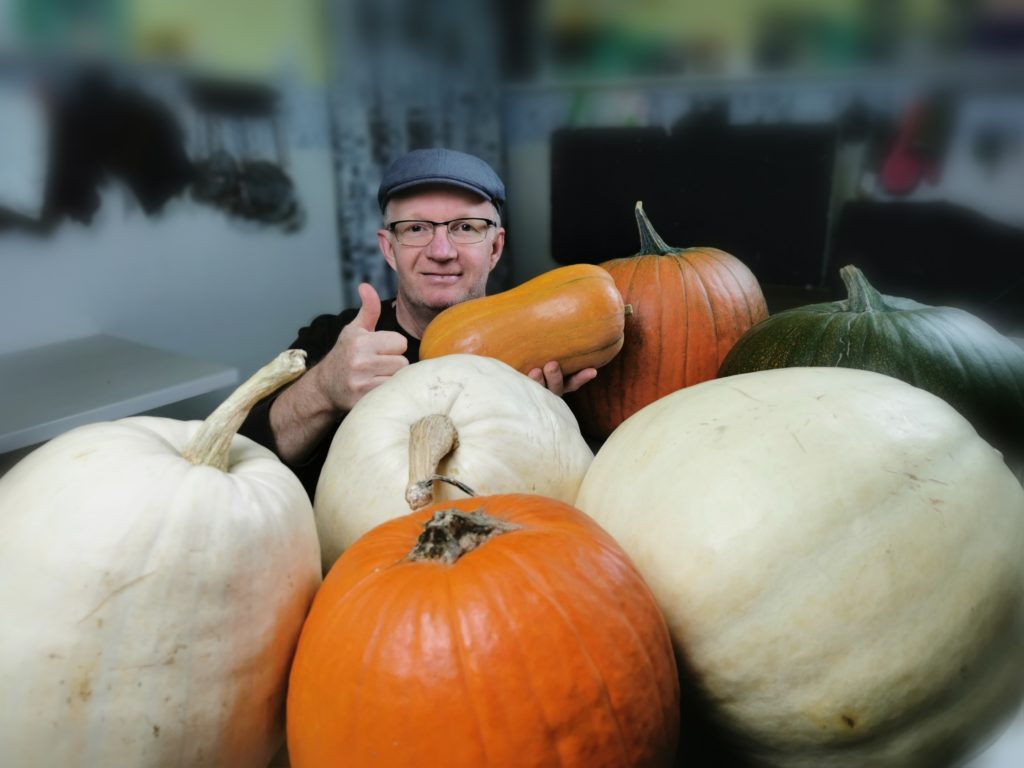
(200, 177)
(183, 184)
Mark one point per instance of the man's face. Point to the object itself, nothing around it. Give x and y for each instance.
(435, 276)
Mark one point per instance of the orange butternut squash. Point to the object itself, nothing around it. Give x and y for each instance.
(574, 315)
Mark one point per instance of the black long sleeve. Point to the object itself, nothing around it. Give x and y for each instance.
(317, 339)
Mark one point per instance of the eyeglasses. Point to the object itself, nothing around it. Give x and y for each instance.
(460, 231)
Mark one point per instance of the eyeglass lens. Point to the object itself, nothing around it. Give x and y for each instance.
(462, 231)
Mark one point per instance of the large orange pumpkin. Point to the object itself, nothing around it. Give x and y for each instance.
(689, 307)
(489, 631)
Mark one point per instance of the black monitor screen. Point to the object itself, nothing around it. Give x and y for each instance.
(760, 192)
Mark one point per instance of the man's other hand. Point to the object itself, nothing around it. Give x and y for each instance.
(550, 376)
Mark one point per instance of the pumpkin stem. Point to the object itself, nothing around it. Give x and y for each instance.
(861, 295)
(450, 534)
(650, 241)
(211, 444)
(430, 439)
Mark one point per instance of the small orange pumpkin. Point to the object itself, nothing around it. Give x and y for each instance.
(486, 631)
(689, 307)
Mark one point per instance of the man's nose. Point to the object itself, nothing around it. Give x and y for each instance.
(441, 246)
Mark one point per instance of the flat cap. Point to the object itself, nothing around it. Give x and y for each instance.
(441, 166)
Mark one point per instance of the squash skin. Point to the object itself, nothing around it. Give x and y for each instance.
(689, 306)
(947, 351)
(838, 557)
(542, 647)
(157, 603)
(573, 315)
(514, 435)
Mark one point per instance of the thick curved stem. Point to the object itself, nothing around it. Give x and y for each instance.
(861, 295)
(211, 444)
(650, 241)
(431, 439)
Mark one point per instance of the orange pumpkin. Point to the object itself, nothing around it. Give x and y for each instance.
(689, 307)
(488, 631)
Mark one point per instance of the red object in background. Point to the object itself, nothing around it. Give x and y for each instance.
(918, 149)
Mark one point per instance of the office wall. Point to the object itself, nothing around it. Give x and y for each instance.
(191, 280)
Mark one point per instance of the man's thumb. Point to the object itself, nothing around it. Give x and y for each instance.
(369, 312)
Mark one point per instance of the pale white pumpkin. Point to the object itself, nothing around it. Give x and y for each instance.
(513, 436)
(151, 602)
(840, 559)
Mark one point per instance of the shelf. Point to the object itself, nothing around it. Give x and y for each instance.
(51, 389)
(959, 72)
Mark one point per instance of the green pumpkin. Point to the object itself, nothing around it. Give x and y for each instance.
(947, 351)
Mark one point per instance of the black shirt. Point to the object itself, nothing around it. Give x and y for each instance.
(317, 339)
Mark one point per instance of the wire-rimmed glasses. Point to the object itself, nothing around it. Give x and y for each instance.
(464, 231)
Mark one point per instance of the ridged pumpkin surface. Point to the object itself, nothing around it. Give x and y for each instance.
(540, 647)
(572, 314)
(689, 306)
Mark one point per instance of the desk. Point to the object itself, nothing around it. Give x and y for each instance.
(48, 390)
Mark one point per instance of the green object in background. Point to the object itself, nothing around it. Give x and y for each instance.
(71, 26)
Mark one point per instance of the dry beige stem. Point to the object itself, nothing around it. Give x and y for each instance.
(211, 445)
(431, 438)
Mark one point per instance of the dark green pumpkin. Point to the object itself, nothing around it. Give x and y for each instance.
(947, 351)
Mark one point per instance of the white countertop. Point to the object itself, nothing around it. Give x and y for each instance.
(48, 390)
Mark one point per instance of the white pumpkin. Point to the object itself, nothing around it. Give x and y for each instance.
(151, 599)
(512, 435)
(840, 559)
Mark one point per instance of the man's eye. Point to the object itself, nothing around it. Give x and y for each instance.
(415, 228)
(470, 226)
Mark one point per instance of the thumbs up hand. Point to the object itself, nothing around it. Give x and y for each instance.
(362, 357)
(369, 311)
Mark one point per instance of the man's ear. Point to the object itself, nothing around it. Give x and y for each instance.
(498, 246)
(386, 248)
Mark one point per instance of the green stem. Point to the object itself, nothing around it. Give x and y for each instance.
(211, 444)
(861, 295)
(650, 241)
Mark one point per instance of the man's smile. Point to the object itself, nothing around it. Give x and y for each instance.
(440, 278)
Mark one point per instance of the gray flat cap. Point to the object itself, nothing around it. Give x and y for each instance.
(441, 166)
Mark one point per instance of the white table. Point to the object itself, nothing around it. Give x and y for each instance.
(47, 390)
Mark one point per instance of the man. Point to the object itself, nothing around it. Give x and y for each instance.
(442, 235)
